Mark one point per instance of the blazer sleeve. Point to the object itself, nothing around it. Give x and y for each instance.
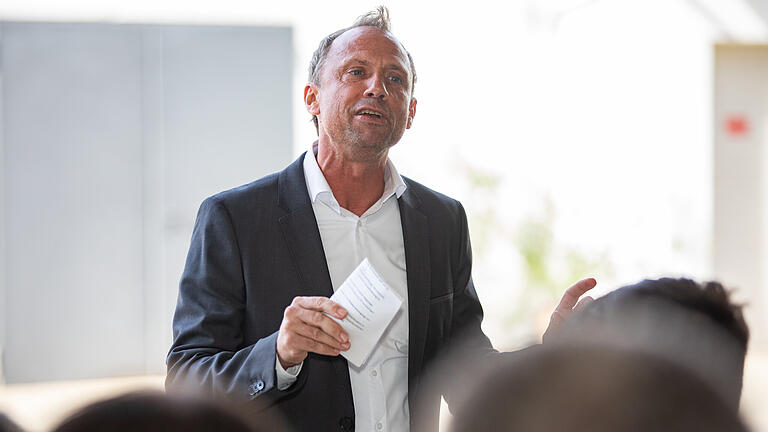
(467, 311)
(208, 352)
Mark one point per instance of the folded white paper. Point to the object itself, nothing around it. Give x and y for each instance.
(371, 305)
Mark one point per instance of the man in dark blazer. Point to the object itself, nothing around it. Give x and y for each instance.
(257, 279)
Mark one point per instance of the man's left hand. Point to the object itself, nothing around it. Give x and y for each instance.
(569, 304)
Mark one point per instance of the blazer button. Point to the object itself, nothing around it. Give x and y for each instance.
(346, 424)
(256, 387)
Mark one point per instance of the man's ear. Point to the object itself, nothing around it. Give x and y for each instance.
(411, 113)
(310, 99)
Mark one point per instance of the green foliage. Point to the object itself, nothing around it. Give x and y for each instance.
(549, 266)
(483, 219)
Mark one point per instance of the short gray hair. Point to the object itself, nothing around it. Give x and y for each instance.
(378, 18)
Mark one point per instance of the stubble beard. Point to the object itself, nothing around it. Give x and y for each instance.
(361, 148)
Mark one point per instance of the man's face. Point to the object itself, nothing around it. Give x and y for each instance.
(363, 102)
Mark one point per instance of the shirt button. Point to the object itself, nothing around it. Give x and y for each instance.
(379, 426)
(373, 374)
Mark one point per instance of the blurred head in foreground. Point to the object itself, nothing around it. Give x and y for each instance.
(592, 389)
(7, 425)
(158, 412)
(693, 325)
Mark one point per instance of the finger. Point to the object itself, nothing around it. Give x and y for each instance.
(583, 302)
(306, 344)
(322, 304)
(572, 294)
(324, 323)
(319, 335)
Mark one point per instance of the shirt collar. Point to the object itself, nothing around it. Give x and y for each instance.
(318, 187)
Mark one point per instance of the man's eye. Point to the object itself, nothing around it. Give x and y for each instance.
(396, 79)
(356, 72)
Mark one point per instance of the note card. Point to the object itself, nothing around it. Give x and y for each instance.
(371, 305)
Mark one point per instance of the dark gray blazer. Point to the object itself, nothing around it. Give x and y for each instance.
(256, 247)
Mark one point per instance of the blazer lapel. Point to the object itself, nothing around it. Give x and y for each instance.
(300, 231)
(416, 240)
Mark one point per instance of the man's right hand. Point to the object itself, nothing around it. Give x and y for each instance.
(306, 329)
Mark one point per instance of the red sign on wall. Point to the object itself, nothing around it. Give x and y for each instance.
(737, 125)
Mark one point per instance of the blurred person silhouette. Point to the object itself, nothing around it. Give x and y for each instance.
(8, 425)
(694, 325)
(568, 388)
(151, 411)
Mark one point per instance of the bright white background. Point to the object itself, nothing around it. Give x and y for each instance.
(583, 126)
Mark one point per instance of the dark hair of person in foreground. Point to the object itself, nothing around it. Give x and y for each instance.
(694, 325)
(150, 411)
(593, 389)
(709, 298)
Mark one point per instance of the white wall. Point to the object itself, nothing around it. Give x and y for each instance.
(740, 182)
(112, 136)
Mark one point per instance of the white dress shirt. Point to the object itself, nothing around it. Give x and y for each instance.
(379, 386)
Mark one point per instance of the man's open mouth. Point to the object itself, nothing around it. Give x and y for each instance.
(370, 113)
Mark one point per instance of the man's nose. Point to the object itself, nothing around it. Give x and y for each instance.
(377, 87)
